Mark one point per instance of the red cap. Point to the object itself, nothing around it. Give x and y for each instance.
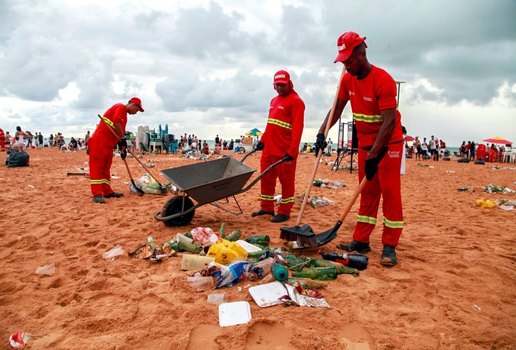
(137, 102)
(281, 77)
(346, 43)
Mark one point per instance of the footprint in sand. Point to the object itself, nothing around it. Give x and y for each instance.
(203, 337)
(355, 337)
(268, 335)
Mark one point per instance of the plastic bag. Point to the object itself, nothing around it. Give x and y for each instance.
(226, 252)
(46, 270)
(113, 252)
(148, 184)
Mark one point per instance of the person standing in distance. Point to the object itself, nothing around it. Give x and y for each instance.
(101, 145)
(281, 139)
(372, 93)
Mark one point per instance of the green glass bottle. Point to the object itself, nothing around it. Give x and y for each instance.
(318, 273)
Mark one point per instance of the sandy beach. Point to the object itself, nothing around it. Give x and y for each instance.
(454, 287)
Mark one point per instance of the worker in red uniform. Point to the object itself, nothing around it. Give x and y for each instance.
(281, 139)
(101, 146)
(372, 92)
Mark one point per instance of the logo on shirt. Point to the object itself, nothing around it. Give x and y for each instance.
(394, 154)
(368, 99)
(281, 107)
(351, 93)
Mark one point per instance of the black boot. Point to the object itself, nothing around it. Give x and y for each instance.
(388, 256)
(261, 212)
(354, 246)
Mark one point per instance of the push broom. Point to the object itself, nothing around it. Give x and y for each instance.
(304, 235)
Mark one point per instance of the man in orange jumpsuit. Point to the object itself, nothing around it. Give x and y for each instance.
(372, 92)
(101, 146)
(281, 139)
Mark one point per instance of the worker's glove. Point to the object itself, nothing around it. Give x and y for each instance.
(320, 143)
(260, 145)
(122, 146)
(288, 157)
(122, 143)
(371, 165)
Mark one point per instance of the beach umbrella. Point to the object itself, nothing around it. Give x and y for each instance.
(498, 139)
(254, 132)
(409, 138)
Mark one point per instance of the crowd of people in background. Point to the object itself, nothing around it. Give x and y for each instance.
(425, 149)
(431, 149)
(22, 140)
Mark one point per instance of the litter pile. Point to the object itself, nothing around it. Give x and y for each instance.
(216, 260)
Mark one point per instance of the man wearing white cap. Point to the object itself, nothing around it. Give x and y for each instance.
(101, 146)
(281, 139)
(372, 93)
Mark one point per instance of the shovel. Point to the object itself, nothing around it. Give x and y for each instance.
(139, 190)
(162, 188)
(299, 233)
(315, 240)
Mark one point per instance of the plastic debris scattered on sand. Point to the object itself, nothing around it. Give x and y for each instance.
(46, 270)
(113, 252)
(19, 339)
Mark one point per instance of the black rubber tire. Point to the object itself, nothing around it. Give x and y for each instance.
(174, 206)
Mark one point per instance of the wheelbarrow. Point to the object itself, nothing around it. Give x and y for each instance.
(206, 183)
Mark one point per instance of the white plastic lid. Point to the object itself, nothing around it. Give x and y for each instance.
(231, 314)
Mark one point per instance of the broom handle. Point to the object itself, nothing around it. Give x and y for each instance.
(319, 154)
(353, 199)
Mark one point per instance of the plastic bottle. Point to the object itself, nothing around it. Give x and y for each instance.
(200, 283)
(217, 299)
(279, 271)
(355, 261)
(260, 269)
(318, 273)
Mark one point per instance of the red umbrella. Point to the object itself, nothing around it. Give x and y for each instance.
(498, 139)
(409, 138)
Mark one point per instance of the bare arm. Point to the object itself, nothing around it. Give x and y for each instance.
(385, 133)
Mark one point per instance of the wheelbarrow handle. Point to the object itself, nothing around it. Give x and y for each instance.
(248, 154)
(269, 168)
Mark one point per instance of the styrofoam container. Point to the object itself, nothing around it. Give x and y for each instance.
(268, 294)
(232, 314)
(248, 247)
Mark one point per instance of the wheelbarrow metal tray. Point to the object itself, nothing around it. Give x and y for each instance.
(210, 181)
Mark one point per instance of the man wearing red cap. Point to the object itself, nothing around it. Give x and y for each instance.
(101, 146)
(372, 92)
(281, 139)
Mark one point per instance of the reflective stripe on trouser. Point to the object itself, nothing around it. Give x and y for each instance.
(100, 169)
(387, 184)
(286, 173)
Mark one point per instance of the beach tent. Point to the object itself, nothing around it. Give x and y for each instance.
(254, 132)
(498, 139)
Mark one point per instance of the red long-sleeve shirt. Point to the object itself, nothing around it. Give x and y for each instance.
(117, 114)
(369, 96)
(284, 126)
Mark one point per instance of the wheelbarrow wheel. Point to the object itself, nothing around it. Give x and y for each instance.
(176, 206)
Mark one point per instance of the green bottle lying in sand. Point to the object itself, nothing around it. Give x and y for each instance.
(318, 273)
(341, 269)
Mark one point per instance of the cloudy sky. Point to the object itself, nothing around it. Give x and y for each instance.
(206, 67)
